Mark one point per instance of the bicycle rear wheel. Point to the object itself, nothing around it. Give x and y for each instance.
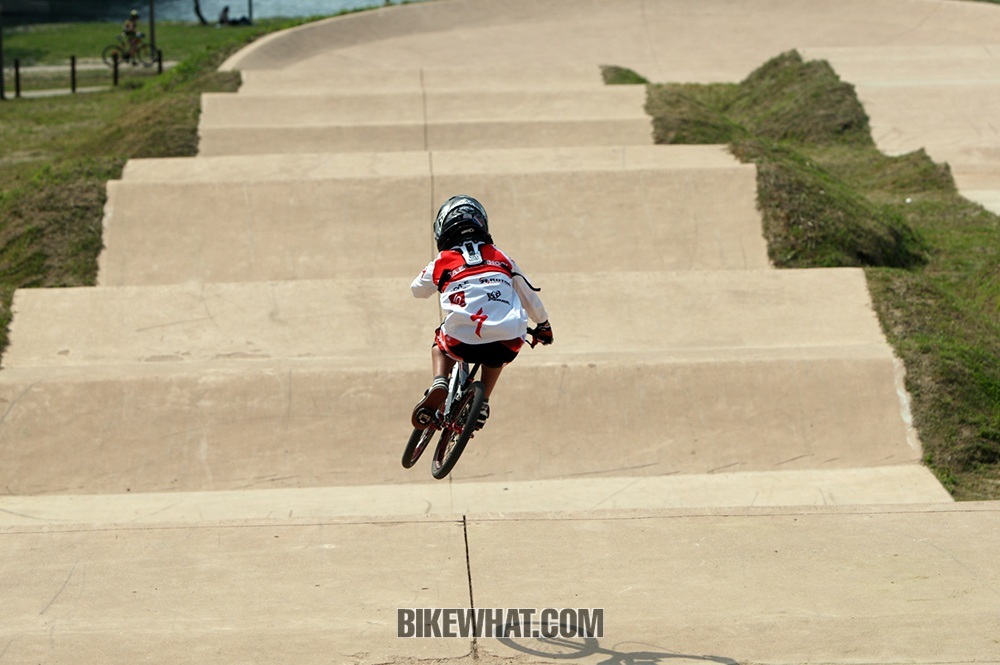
(108, 54)
(457, 433)
(416, 445)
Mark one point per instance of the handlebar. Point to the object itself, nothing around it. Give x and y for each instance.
(534, 341)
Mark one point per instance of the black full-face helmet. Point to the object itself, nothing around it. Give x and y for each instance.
(461, 218)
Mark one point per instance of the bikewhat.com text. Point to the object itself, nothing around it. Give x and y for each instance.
(465, 622)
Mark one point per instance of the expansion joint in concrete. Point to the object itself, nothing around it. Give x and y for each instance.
(472, 600)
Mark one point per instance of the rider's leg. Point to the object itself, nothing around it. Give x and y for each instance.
(441, 362)
(490, 376)
(435, 395)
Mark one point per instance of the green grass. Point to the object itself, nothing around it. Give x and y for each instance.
(828, 197)
(614, 75)
(59, 152)
(42, 47)
(35, 80)
(54, 43)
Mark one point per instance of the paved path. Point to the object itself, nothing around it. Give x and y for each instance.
(200, 456)
(80, 66)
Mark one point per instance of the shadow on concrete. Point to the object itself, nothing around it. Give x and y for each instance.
(565, 647)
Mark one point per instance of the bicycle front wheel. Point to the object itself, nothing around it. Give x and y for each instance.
(144, 54)
(416, 445)
(458, 431)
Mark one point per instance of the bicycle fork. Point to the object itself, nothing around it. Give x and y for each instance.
(458, 377)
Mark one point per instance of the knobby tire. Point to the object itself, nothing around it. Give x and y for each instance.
(416, 445)
(144, 54)
(450, 446)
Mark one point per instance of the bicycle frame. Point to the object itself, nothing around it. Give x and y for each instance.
(456, 420)
(461, 377)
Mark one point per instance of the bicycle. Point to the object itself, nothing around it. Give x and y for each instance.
(455, 419)
(143, 52)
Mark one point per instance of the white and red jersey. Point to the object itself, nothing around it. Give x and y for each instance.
(483, 294)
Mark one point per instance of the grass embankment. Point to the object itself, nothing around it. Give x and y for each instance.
(828, 197)
(57, 154)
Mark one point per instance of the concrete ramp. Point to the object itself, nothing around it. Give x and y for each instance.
(684, 313)
(898, 126)
(893, 485)
(327, 216)
(201, 456)
(292, 385)
(231, 425)
(932, 97)
(666, 40)
(788, 584)
(949, 125)
(898, 65)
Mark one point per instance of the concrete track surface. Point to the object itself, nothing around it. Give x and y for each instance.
(200, 456)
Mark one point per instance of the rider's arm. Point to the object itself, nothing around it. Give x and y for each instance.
(423, 286)
(532, 303)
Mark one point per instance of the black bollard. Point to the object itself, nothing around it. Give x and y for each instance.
(114, 77)
(72, 74)
(2, 97)
(152, 24)
(17, 77)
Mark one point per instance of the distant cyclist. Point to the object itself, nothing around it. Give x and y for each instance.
(131, 35)
(486, 300)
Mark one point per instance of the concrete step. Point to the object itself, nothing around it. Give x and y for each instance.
(896, 64)
(945, 119)
(201, 387)
(409, 136)
(261, 124)
(889, 485)
(233, 424)
(940, 117)
(428, 107)
(350, 166)
(978, 179)
(898, 584)
(372, 79)
(365, 321)
(347, 320)
(683, 210)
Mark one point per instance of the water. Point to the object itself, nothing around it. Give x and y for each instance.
(52, 11)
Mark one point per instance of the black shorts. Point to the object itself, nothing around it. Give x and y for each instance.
(491, 354)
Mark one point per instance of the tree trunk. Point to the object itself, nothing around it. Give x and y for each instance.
(197, 12)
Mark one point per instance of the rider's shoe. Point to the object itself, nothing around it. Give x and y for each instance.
(484, 413)
(423, 412)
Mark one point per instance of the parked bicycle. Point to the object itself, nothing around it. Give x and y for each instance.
(140, 47)
(455, 420)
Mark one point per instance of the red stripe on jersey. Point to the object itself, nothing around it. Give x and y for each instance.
(452, 260)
